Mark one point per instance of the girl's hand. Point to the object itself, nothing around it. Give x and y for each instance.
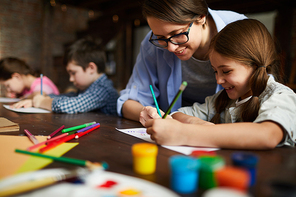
(166, 131)
(148, 113)
(23, 103)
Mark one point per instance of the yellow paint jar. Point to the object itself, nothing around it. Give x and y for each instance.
(144, 156)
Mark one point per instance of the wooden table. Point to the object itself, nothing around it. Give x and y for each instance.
(276, 166)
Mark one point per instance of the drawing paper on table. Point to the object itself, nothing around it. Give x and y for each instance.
(8, 100)
(141, 133)
(31, 110)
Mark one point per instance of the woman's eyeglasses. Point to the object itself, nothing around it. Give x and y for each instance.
(178, 39)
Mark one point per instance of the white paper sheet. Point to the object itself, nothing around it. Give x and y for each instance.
(8, 100)
(31, 110)
(141, 133)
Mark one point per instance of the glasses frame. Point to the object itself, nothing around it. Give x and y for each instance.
(169, 39)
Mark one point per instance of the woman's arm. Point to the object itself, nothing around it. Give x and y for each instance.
(131, 110)
(265, 135)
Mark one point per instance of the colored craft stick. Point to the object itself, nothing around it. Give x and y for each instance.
(55, 132)
(56, 143)
(77, 127)
(181, 89)
(31, 137)
(155, 101)
(78, 135)
(47, 141)
(41, 84)
(79, 162)
(87, 128)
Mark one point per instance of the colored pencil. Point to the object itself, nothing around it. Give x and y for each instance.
(55, 132)
(87, 128)
(77, 127)
(78, 135)
(41, 84)
(181, 89)
(155, 101)
(31, 137)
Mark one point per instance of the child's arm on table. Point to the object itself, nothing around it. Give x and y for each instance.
(245, 135)
(43, 102)
(184, 118)
(149, 112)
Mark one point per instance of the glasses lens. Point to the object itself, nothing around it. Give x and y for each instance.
(159, 43)
(179, 39)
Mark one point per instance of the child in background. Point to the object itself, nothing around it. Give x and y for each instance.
(258, 112)
(20, 80)
(85, 63)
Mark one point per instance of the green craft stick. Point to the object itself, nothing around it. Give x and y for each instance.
(79, 162)
(181, 89)
(77, 127)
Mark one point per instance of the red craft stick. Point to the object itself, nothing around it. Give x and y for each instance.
(47, 141)
(56, 143)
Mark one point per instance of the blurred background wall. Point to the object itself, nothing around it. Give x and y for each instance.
(38, 31)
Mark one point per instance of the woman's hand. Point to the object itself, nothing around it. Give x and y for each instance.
(23, 103)
(148, 113)
(166, 131)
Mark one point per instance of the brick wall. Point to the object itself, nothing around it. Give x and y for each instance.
(36, 32)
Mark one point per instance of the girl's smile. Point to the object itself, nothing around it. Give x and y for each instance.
(232, 75)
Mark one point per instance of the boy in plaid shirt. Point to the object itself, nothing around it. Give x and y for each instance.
(86, 65)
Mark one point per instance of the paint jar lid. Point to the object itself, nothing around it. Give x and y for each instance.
(198, 153)
(182, 163)
(144, 149)
(233, 177)
(211, 163)
(244, 159)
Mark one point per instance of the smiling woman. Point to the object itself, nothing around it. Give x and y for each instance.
(252, 105)
(174, 51)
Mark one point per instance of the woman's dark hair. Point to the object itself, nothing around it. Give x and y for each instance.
(248, 42)
(84, 51)
(175, 11)
(10, 65)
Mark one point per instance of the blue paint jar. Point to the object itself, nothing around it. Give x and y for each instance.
(247, 161)
(184, 173)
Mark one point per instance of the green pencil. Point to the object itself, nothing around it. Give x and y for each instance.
(181, 89)
(78, 127)
(155, 101)
(79, 162)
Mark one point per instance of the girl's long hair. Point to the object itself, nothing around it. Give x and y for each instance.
(248, 42)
